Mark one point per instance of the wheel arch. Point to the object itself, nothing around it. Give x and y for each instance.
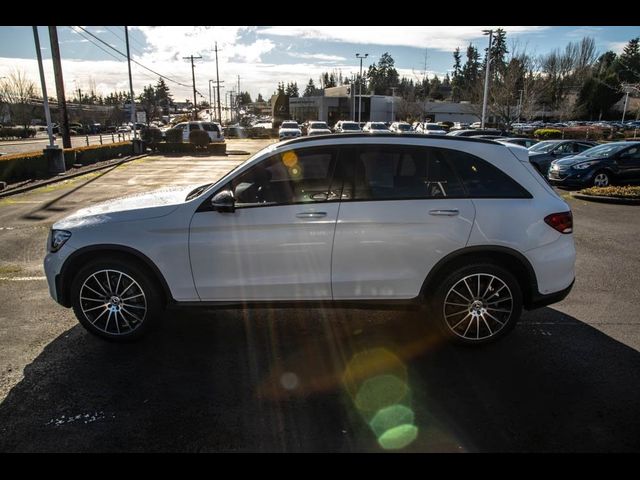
(506, 257)
(79, 258)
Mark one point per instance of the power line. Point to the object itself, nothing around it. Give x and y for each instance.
(94, 43)
(119, 38)
(134, 61)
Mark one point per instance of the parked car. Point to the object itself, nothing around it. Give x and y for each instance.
(347, 127)
(430, 129)
(366, 220)
(475, 125)
(289, 129)
(213, 129)
(375, 127)
(318, 128)
(600, 166)
(523, 142)
(401, 127)
(543, 153)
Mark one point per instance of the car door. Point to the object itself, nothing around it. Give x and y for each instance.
(629, 164)
(402, 210)
(277, 244)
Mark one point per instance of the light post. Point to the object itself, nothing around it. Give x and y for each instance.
(393, 96)
(360, 89)
(520, 106)
(486, 77)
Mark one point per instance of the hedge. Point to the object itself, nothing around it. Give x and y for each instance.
(27, 166)
(17, 132)
(212, 148)
(173, 135)
(613, 191)
(547, 133)
(199, 138)
(151, 135)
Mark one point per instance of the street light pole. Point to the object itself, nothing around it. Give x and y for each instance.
(360, 89)
(520, 106)
(486, 77)
(624, 110)
(393, 96)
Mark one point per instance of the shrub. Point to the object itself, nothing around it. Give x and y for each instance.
(18, 132)
(97, 153)
(614, 191)
(547, 133)
(199, 138)
(173, 135)
(151, 135)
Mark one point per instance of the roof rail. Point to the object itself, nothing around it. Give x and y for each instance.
(413, 136)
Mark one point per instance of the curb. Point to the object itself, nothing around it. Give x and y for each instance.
(60, 178)
(601, 199)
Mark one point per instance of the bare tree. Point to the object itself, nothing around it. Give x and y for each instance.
(18, 92)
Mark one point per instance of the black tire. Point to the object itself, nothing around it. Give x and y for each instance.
(488, 330)
(114, 273)
(601, 172)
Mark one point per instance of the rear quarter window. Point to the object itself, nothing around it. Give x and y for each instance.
(481, 179)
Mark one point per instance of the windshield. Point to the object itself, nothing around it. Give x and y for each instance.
(604, 150)
(318, 125)
(378, 126)
(404, 127)
(350, 126)
(289, 125)
(543, 147)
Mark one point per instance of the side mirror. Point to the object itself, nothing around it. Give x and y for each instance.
(224, 202)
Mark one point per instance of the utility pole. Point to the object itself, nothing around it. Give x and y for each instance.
(360, 94)
(238, 100)
(193, 75)
(626, 100)
(210, 104)
(54, 154)
(353, 94)
(486, 77)
(62, 102)
(133, 102)
(218, 85)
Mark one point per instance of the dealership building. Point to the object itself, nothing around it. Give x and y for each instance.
(341, 103)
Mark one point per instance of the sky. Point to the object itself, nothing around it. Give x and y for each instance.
(263, 56)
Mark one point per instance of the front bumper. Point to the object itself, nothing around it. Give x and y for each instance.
(53, 263)
(570, 177)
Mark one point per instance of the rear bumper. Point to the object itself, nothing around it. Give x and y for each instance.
(539, 300)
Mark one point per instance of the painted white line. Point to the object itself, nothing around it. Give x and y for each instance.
(21, 279)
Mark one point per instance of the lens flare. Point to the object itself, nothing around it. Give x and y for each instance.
(290, 159)
(398, 437)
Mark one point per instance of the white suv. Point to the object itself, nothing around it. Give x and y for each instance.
(464, 228)
(212, 128)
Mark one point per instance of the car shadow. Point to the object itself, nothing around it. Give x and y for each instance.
(316, 380)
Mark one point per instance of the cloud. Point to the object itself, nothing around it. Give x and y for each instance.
(438, 37)
(318, 56)
(584, 32)
(617, 47)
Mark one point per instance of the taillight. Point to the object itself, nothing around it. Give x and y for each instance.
(562, 222)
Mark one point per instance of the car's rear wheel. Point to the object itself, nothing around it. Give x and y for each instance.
(116, 300)
(601, 179)
(477, 304)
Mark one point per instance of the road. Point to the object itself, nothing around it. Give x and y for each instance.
(566, 379)
(41, 141)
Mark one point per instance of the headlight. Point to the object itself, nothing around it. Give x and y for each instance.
(582, 166)
(57, 239)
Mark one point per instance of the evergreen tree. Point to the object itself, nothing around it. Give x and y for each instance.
(310, 89)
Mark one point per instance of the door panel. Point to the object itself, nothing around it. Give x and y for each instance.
(385, 249)
(264, 253)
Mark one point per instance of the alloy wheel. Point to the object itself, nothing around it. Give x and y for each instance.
(478, 306)
(601, 180)
(113, 302)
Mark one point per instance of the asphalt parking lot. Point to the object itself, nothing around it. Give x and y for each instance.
(566, 379)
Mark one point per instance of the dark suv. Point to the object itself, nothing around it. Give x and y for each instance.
(543, 153)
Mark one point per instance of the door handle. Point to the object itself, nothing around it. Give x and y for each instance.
(445, 213)
(311, 214)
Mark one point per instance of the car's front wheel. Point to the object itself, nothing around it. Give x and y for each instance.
(477, 304)
(116, 300)
(601, 179)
